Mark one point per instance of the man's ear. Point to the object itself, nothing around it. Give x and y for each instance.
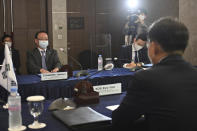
(157, 48)
(36, 41)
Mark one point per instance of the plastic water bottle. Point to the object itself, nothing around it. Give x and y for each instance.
(14, 107)
(100, 63)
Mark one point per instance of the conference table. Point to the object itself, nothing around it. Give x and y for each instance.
(29, 85)
(32, 85)
(53, 124)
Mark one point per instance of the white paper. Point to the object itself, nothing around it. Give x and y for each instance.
(54, 76)
(108, 89)
(113, 107)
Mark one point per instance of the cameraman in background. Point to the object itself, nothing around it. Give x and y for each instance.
(142, 27)
(134, 25)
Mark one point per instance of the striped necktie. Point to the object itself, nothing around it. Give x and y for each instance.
(43, 60)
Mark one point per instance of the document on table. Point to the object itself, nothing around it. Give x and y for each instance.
(113, 107)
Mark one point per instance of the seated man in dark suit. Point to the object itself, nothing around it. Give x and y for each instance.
(42, 59)
(165, 95)
(136, 53)
(7, 39)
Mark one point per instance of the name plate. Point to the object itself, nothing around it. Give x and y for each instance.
(108, 89)
(54, 76)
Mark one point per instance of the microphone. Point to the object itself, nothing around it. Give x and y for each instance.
(76, 61)
(135, 68)
(62, 104)
(120, 61)
(81, 72)
(116, 59)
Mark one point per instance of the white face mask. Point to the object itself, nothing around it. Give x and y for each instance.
(137, 47)
(142, 17)
(43, 44)
(9, 44)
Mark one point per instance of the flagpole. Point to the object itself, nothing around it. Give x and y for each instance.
(12, 20)
(4, 17)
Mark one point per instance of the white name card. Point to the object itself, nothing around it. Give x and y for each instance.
(108, 89)
(54, 76)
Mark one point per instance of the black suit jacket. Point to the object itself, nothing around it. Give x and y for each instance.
(34, 61)
(15, 59)
(126, 55)
(166, 94)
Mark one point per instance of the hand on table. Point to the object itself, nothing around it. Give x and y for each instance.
(132, 64)
(44, 71)
(55, 70)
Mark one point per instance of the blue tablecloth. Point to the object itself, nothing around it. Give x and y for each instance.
(54, 124)
(32, 84)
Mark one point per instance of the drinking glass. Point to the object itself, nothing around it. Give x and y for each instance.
(36, 107)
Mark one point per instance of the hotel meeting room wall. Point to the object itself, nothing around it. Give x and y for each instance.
(100, 17)
(187, 14)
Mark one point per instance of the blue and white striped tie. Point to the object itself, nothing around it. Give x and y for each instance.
(43, 60)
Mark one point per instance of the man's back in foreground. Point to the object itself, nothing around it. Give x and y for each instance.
(164, 95)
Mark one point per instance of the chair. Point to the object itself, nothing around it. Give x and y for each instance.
(68, 69)
(101, 44)
(88, 59)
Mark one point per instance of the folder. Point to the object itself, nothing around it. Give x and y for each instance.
(82, 118)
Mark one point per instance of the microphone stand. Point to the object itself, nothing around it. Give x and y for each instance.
(86, 79)
(62, 104)
(133, 68)
(81, 72)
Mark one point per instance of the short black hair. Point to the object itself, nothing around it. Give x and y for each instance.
(5, 36)
(169, 33)
(37, 33)
(142, 36)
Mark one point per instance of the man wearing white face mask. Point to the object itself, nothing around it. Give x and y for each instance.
(7, 39)
(42, 59)
(136, 53)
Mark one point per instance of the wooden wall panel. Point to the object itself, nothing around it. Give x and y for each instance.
(29, 17)
(34, 14)
(78, 39)
(20, 15)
